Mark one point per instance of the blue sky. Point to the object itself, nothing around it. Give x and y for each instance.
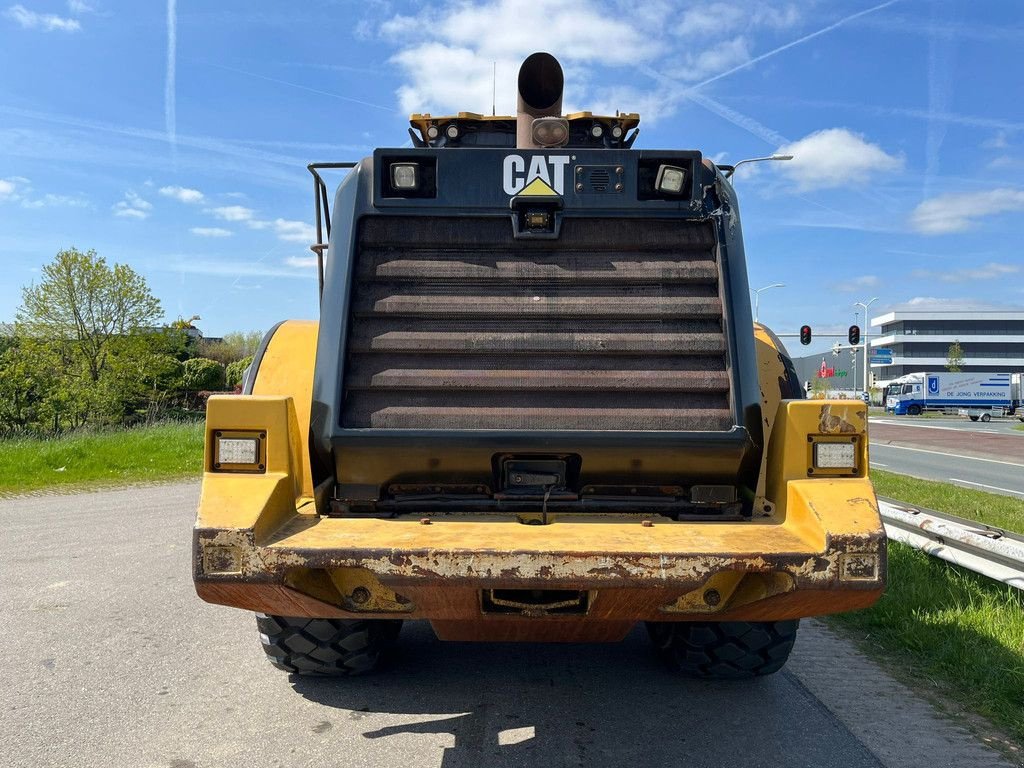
(174, 137)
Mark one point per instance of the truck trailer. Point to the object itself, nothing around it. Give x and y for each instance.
(978, 394)
(535, 407)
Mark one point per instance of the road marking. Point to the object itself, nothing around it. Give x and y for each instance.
(993, 487)
(950, 455)
(965, 428)
(876, 464)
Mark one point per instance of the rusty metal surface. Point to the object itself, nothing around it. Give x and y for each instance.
(616, 325)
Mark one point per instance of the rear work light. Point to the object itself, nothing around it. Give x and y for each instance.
(405, 176)
(670, 180)
(239, 451)
(833, 455)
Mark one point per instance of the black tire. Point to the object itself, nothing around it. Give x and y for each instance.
(325, 646)
(985, 417)
(726, 650)
(974, 418)
(914, 410)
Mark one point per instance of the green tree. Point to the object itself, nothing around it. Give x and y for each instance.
(955, 357)
(234, 346)
(201, 374)
(87, 335)
(235, 372)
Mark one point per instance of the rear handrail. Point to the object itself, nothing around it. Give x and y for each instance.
(322, 212)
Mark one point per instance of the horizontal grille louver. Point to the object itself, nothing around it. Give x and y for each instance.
(616, 325)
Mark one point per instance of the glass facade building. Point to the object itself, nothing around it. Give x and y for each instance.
(991, 341)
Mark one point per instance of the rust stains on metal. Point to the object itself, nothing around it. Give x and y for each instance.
(835, 424)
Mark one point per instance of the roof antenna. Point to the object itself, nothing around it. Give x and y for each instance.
(494, 89)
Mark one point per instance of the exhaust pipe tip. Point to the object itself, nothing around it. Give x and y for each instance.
(539, 95)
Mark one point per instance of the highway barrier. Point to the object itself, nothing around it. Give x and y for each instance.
(983, 549)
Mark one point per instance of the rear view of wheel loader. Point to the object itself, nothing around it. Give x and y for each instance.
(535, 408)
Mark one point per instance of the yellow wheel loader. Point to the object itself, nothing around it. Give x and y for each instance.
(535, 408)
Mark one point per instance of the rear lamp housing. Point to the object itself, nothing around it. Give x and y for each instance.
(550, 131)
(405, 176)
(671, 180)
(834, 455)
(239, 451)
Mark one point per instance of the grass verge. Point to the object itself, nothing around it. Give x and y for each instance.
(162, 452)
(990, 508)
(945, 629)
(949, 631)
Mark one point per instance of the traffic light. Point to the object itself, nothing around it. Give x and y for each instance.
(805, 334)
(853, 336)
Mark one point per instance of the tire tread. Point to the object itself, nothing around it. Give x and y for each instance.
(326, 647)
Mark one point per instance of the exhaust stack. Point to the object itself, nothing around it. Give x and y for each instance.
(540, 95)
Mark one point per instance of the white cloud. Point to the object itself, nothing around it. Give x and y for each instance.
(294, 231)
(47, 22)
(997, 141)
(854, 284)
(18, 189)
(48, 200)
(233, 213)
(78, 7)
(993, 270)
(463, 43)
(301, 262)
(211, 231)
(956, 212)
(722, 18)
(183, 194)
(835, 157)
(132, 207)
(946, 304)
(719, 57)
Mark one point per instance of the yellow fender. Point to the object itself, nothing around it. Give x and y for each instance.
(283, 367)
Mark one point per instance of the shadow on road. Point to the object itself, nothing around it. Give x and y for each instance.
(583, 705)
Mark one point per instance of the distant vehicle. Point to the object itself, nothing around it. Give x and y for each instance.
(979, 393)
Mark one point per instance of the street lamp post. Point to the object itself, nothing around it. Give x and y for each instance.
(757, 297)
(769, 158)
(864, 338)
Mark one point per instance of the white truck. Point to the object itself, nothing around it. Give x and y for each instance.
(978, 395)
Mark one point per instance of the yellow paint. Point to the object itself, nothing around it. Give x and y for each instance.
(537, 188)
(287, 370)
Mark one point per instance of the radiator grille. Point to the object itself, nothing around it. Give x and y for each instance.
(617, 325)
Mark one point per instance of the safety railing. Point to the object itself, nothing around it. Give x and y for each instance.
(322, 212)
(981, 548)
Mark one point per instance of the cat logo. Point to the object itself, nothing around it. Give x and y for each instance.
(544, 176)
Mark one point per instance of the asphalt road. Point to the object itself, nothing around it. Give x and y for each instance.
(110, 660)
(1004, 425)
(981, 474)
(984, 457)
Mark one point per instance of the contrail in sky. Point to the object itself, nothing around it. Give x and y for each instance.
(170, 119)
(789, 45)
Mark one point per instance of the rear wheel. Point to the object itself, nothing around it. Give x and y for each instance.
(325, 646)
(726, 650)
(986, 417)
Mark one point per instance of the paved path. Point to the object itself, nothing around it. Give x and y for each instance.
(110, 660)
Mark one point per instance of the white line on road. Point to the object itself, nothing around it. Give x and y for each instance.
(964, 428)
(982, 485)
(950, 455)
(877, 464)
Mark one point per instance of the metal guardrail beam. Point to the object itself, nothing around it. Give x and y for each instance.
(983, 549)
